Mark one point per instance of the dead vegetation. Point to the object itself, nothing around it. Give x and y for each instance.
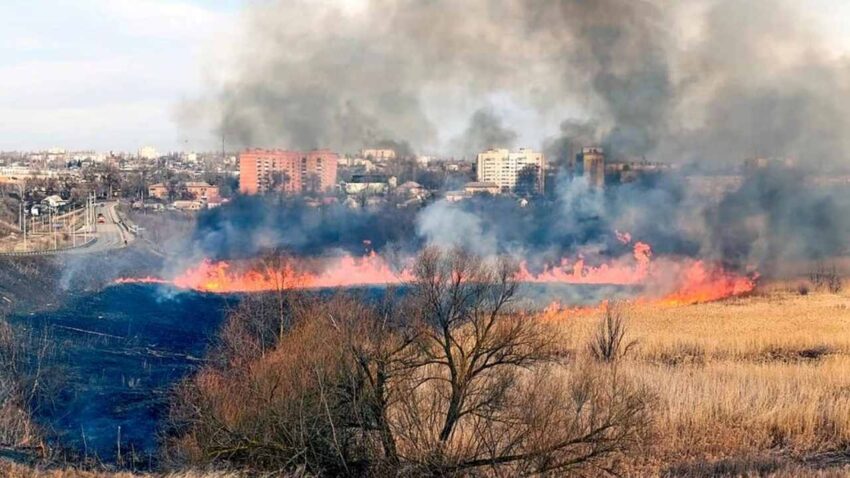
(758, 388)
(450, 379)
(446, 380)
(825, 277)
(25, 384)
(610, 343)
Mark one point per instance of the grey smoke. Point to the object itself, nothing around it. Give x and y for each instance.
(574, 135)
(763, 83)
(446, 225)
(708, 80)
(486, 130)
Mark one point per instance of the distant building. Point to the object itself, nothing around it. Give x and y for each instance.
(455, 196)
(188, 205)
(214, 202)
(158, 190)
(512, 171)
(631, 171)
(262, 171)
(20, 174)
(54, 202)
(361, 163)
(148, 152)
(411, 189)
(379, 154)
(366, 184)
(202, 190)
(593, 162)
(481, 188)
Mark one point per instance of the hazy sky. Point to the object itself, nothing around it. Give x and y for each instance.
(107, 74)
(102, 74)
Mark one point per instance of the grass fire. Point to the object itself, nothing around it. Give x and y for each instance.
(406, 238)
(667, 280)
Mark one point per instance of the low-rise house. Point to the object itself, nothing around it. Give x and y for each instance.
(474, 188)
(366, 184)
(202, 190)
(214, 202)
(158, 191)
(188, 205)
(411, 189)
(54, 202)
(378, 154)
(455, 196)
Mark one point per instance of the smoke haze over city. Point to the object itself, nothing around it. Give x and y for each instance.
(702, 81)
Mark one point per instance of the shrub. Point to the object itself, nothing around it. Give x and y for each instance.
(609, 343)
(445, 380)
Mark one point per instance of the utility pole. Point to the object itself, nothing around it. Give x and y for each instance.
(86, 229)
(53, 228)
(21, 221)
(93, 207)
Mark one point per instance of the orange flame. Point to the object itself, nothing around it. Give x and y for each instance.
(620, 272)
(667, 280)
(224, 277)
(699, 282)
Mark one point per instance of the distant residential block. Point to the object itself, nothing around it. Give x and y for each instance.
(508, 170)
(262, 171)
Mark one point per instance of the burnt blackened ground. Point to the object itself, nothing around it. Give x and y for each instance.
(47, 282)
(29, 282)
(119, 352)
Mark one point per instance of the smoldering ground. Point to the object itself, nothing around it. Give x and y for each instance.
(769, 219)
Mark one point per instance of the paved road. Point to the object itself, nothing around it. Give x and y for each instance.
(113, 234)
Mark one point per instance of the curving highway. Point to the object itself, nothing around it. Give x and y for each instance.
(113, 234)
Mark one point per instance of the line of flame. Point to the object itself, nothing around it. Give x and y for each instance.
(668, 281)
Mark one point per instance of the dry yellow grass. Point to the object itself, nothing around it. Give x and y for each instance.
(757, 386)
(752, 386)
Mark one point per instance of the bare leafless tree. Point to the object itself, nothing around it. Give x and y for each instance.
(481, 362)
(445, 378)
(464, 303)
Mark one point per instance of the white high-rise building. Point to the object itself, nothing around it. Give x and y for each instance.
(148, 152)
(506, 169)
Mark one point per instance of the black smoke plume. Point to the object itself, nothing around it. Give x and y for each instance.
(706, 83)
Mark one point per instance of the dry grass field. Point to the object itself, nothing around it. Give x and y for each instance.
(748, 387)
(755, 386)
